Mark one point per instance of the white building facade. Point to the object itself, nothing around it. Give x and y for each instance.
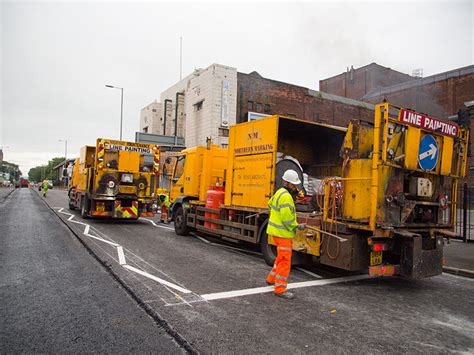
(151, 118)
(200, 106)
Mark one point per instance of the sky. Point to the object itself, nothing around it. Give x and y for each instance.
(57, 57)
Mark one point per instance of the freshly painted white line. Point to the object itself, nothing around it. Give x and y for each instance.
(309, 272)
(202, 239)
(257, 290)
(156, 225)
(121, 255)
(102, 240)
(157, 279)
(225, 246)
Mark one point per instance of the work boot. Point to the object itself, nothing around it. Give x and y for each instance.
(270, 283)
(285, 295)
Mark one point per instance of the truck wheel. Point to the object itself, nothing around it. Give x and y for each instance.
(269, 251)
(84, 204)
(179, 218)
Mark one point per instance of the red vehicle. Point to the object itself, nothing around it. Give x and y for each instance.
(24, 183)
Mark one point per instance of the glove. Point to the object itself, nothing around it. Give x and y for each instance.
(301, 226)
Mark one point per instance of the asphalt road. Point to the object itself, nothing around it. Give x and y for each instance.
(56, 298)
(214, 297)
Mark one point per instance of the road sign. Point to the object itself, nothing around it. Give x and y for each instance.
(428, 153)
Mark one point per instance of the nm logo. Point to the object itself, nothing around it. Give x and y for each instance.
(254, 135)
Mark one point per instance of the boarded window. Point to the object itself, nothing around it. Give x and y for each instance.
(259, 107)
(250, 105)
(268, 108)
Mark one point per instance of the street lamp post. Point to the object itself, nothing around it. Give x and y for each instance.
(121, 106)
(65, 160)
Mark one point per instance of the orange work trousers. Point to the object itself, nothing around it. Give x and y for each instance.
(281, 268)
(164, 214)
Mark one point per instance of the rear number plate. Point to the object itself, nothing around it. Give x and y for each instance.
(100, 208)
(375, 258)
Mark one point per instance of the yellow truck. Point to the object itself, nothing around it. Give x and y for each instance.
(379, 197)
(115, 179)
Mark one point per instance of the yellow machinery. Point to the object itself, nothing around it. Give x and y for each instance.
(380, 196)
(115, 179)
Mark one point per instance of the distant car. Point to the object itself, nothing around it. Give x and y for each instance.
(24, 183)
(17, 185)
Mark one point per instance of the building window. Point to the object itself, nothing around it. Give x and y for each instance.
(268, 108)
(259, 107)
(145, 129)
(223, 132)
(153, 110)
(250, 105)
(198, 105)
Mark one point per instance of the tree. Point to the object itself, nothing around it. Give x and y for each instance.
(41, 172)
(12, 169)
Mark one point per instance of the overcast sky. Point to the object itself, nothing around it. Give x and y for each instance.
(57, 57)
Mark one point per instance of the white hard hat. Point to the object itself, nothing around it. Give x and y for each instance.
(292, 177)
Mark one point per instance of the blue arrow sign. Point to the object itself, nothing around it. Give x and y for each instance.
(428, 153)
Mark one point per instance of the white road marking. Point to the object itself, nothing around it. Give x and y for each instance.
(156, 225)
(150, 276)
(225, 246)
(121, 255)
(202, 239)
(257, 290)
(309, 272)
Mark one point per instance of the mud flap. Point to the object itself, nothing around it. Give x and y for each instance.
(415, 262)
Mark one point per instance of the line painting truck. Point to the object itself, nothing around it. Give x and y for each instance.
(379, 197)
(115, 179)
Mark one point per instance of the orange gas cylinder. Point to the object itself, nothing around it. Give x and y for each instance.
(214, 199)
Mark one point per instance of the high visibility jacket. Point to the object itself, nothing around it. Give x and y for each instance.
(282, 222)
(166, 201)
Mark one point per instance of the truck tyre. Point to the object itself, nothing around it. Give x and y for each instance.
(84, 207)
(269, 251)
(179, 218)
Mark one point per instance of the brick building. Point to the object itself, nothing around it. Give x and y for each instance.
(208, 101)
(355, 83)
(441, 95)
(266, 96)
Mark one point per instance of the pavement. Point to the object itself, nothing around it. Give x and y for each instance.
(211, 295)
(5, 191)
(459, 258)
(56, 297)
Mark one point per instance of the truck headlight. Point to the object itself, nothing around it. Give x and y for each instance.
(127, 178)
(111, 184)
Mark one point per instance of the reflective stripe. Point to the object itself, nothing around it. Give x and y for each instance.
(281, 278)
(275, 205)
(272, 273)
(284, 248)
(281, 285)
(289, 222)
(288, 205)
(270, 223)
